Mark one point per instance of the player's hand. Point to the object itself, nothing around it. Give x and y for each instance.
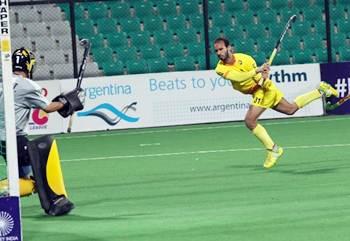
(263, 68)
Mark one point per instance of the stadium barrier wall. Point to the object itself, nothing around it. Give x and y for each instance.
(167, 99)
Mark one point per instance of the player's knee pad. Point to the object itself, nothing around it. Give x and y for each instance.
(48, 176)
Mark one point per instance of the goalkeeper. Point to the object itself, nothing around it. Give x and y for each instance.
(39, 166)
(245, 77)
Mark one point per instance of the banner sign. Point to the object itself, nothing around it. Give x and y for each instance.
(10, 222)
(338, 75)
(178, 98)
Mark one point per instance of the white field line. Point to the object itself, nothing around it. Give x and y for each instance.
(149, 144)
(194, 128)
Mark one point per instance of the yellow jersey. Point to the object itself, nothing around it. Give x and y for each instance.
(242, 73)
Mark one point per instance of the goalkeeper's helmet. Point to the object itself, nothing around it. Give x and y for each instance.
(23, 60)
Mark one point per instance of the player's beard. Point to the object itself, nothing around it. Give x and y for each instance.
(226, 56)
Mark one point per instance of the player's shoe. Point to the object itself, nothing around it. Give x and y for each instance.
(327, 90)
(272, 156)
(4, 190)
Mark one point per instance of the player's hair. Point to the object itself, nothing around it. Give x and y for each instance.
(221, 39)
(23, 60)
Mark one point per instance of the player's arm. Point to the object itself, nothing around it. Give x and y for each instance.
(53, 106)
(237, 76)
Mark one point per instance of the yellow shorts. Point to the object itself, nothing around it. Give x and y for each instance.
(267, 98)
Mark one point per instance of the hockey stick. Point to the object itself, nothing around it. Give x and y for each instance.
(85, 43)
(278, 43)
(330, 106)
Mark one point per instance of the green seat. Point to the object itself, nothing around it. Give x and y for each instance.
(189, 7)
(301, 29)
(163, 37)
(173, 50)
(221, 19)
(313, 41)
(244, 46)
(186, 36)
(313, 14)
(97, 41)
(281, 58)
(338, 40)
(126, 53)
(166, 8)
(157, 65)
(136, 66)
(196, 21)
(244, 17)
(256, 5)
(267, 16)
(195, 49)
(266, 44)
(202, 61)
(176, 22)
(101, 55)
(110, 68)
(85, 27)
(116, 39)
(301, 57)
(150, 51)
(256, 31)
(214, 33)
(259, 57)
(130, 24)
(344, 53)
(143, 9)
(291, 43)
(234, 5)
(337, 12)
(321, 55)
(300, 4)
(79, 12)
(231, 32)
(97, 11)
(184, 63)
(320, 28)
(278, 4)
(153, 23)
(344, 26)
(119, 9)
(140, 38)
(106, 25)
(214, 6)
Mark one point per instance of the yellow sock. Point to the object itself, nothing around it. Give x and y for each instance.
(305, 99)
(260, 132)
(26, 186)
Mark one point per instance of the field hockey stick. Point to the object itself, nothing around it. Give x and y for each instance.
(85, 43)
(278, 43)
(330, 106)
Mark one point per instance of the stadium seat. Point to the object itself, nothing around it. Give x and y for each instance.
(130, 24)
(214, 33)
(291, 43)
(196, 21)
(97, 11)
(231, 32)
(282, 58)
(301, 57)
(157, 65)
(301, 29)
(43, 72)
(320, 28)
(195, 49)
(244, 17)
(143, 9)
(312, 14)
(119, 9)
(50, 14)
(153, 23)
(256, 5)
(26, 14)
(256, 31)
(85, 27)
(189, 7)
(150, 51)
(244, 46)
(92, 70)
(221, 19)
(20, 42)
(267, 16)
(102, 55)
(337, 12)
(17, 30)
(259, 57)
(321, 55)
(214, 6)
(166, 8)
(266, 44)
(116, 68)
(184, 63)
(116, 39)
(136, 67)
(43, 43)
(313, 42)
(234, 5)
(338, 40)
(126, 53)
(186, 36)
(176, 22)
(343, 26)
(140, 38)
(97, 41)
(163, 37)
(202, 62)
(300, 4)
(344, 53)
(106, 25)
(278, 4)
(52, 56)
(173, 50)
(63, 71)
(36, 29)
(59, 28)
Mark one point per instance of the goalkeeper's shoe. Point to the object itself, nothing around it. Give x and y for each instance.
(327, 90)
(272, 156)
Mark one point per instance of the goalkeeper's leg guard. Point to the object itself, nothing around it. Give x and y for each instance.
(48, 176)
(26, 187)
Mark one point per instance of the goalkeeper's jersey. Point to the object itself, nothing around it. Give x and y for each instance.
(27, 96)
(242, 73)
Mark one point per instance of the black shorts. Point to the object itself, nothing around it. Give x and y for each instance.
(22, 151)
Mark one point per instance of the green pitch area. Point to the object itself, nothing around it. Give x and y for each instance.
(202, 183)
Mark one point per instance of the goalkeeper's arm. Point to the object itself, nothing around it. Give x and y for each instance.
(53, 106)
